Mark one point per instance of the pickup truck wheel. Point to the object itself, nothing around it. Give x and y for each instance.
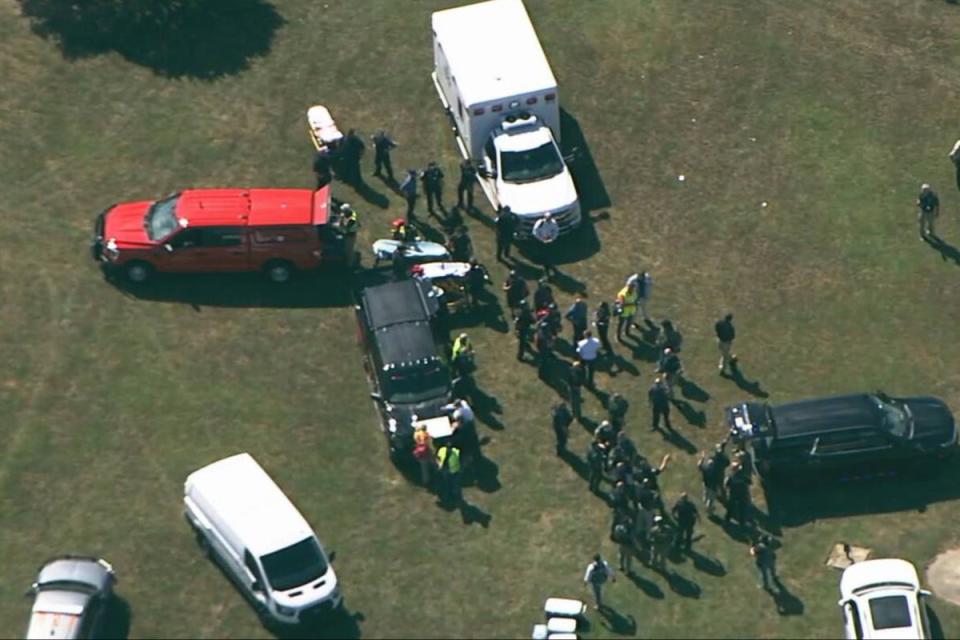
(138, 272)
(278, 271)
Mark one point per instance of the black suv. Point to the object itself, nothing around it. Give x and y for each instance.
(860, 431)
(403, 363)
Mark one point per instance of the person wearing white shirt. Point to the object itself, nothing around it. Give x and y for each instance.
(955, 158)
(546, 231)
(597, 574)
(588, 350)
(460, 412)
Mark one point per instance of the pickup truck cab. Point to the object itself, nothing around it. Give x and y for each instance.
(851, 432)
(407, 376)
(277, 231)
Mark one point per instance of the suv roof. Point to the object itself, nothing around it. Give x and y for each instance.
(406, 344)
(395, 303)
(253, 207)
(822, 415)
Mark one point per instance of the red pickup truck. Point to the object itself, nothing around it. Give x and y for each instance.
(276, 231)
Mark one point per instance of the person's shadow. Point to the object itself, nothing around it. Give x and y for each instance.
(947, 251)
(648, 587)
(787, 603)
(616, 622)
(676, 439)
(471, 513)
(342, 624)
(750, 386)
(691, 415)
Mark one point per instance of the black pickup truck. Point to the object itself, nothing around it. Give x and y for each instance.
(402, 359)
(851, 432)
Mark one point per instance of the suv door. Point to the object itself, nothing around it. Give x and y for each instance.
(185, 252)
(225, 249)
(851, 446)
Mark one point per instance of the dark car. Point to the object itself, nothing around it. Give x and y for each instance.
(403, 362)
(852, 432)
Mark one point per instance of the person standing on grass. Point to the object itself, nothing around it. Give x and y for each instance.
(625, 309)
(955, 158)
(617, 407)
(644, 287)
(448, 461)
(597, 574)
(382, 144)
(712, 481)
(766, 560)
(432, 179)
(577, 315)
(409, 190)
(738, 496)
(661, 540)
(562, 418)
(588, 350)
(523, 325)
(506, 224)
(685, 514)
(595, 458)
(621, 535)
(516, 290)
(726, 333)
(576, 379)
(670, 369)
(423, 453)
(322, 167)
(929, 210)
(546, 231)
(601, 322)
(659, 396)
(468, 178)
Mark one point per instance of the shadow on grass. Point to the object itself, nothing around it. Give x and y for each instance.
(706, 564)
(750, 386)
(676, 438)
(369, 194)
(691, 415)
(174, 38)
(883, 490)
(576, 463)
(683, 586)
(787, 603)
(341, 624)
(936, 628)
(947, 251)
(648, 587)
(693, 391)
(616, 622)
(586, 177)
(308, 290)
(578, 245)
(116, 622)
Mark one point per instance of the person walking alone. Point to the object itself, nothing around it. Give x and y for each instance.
(506, 224)
(597, 574)
(929, 210)
(725, 335)
(382, 144)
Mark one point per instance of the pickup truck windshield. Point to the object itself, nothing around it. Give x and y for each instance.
(531, 165)
(894, 418)
(417, 385)
(161, 218)
(294, 566)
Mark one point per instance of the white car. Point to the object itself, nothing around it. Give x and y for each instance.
(71, 598)
(883, 599)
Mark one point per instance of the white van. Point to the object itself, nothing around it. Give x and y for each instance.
(246, 523)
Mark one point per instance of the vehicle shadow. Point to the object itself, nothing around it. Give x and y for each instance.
(116, 622)
(750, 386)
(936, 628)
(308, 290)
(176, 38)
(575, 246)
(833, 495)
(586, 177)
(342, 624)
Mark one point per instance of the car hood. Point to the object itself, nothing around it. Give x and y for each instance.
(822, 415)
(308, 594)
(932, 419)
(124, 224)
(537, 198)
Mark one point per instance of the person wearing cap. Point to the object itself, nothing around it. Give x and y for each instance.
(477, 279)
(661, 540)
(726, 333)
(929, 210)
(546, 231)
(409, 190)
(506, 225)
(382, 144)
(597, 574)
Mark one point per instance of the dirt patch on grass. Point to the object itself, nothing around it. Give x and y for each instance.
(943, 575)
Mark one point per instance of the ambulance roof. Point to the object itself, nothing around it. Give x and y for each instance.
(493, 51)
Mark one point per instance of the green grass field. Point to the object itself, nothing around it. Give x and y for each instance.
(831, 112)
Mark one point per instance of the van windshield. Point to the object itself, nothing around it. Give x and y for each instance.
(416, 385)
(161, 218)
(531, 165)
(294, 566)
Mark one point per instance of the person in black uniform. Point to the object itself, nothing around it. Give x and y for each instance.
(506, 228)
(353, 148)
(523, 325)
(726, 334)
(477, 279)
(659, 396)
(322, 167)
(543, 295)
(561, 426)
(382, 144)
(468, 178)
(516, 289)
(685, 514)
(601, 320)
(576, 379)
(432, 179)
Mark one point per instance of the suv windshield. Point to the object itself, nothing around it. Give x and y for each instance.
(531, 165)
(161, 220)
(894, 417)
(416, 385)
(294, 566)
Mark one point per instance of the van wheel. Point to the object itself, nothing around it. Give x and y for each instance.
(138, 272)
(278, 271)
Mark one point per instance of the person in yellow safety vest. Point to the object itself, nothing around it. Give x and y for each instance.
(627, 307)
(348, 219)
(448, 460)
(461, 355)
(400, 231)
